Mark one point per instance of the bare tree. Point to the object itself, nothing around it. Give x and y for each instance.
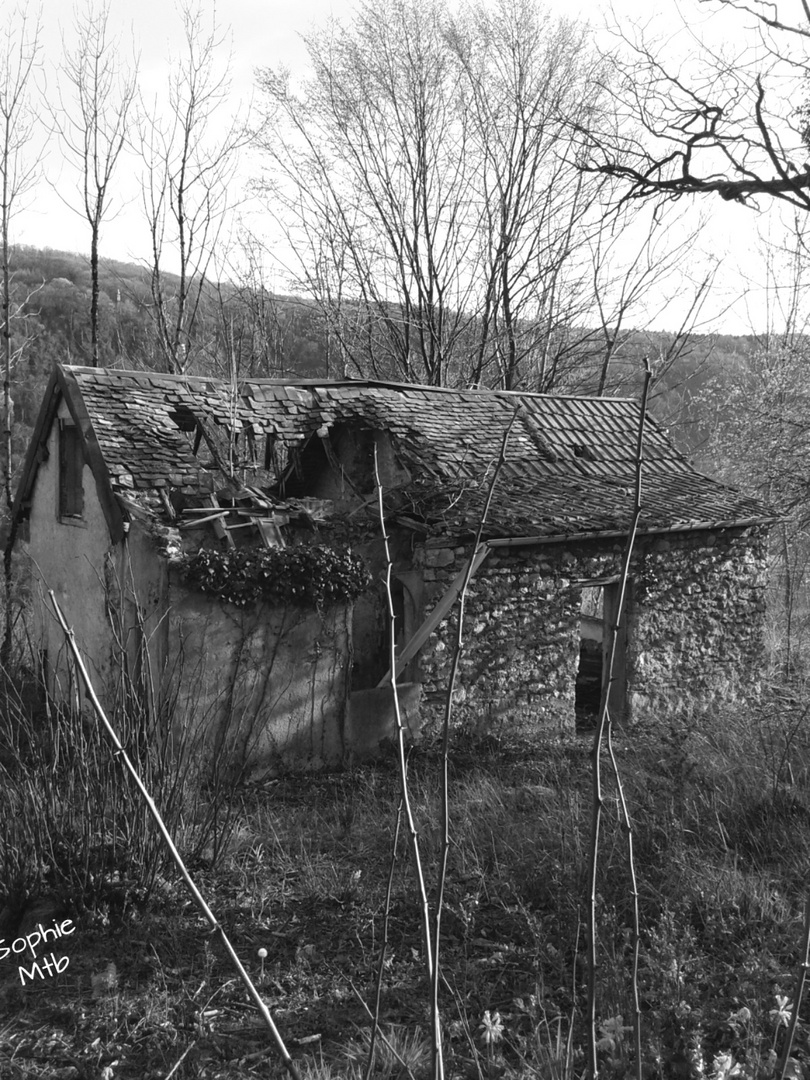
(723, 125)
(528, 82)
(189, 152)
(757, 408)
(262, 325)
(428, 182)
(19, 166)
(92, 119)
(637, 255)
(371, 173)
(729, 125)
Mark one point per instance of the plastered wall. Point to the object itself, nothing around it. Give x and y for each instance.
(76, 560)
(267, 686)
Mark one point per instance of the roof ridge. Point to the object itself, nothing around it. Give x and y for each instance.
(374, 384)
(568, 461)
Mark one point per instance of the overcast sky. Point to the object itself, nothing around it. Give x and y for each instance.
(268, 33)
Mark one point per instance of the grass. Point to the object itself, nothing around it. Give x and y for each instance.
(720, 807)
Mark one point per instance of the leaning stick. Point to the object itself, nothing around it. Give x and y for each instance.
(605, 727)
(175, 854)
(458, 649)
(410, 821)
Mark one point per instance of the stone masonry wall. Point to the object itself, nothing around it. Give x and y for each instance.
(694, 627)
(696, 621)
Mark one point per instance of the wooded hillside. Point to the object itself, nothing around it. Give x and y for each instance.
(255, 333)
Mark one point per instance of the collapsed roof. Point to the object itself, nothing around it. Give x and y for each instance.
(569, 461)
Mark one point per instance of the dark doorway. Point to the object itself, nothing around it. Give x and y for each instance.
(598, 612)
(590, 674)
(371, 632)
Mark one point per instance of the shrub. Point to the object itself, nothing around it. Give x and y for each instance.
(303, 576)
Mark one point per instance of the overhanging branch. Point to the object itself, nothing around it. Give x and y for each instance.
(794, 189)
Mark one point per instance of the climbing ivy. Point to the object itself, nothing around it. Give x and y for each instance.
(303, 576)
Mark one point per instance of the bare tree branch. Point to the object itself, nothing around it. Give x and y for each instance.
(93, 123)
(19, 168)
(772, 21)
(725, 132)
(428, 182)
(187, 182)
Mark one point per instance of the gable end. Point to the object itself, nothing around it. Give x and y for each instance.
(62, 385)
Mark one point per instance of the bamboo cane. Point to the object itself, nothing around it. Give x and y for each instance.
(458, 649)
(605, 726)
(410, 822)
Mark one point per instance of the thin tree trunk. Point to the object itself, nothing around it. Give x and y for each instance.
(438, 1071)
(602, 728)
(7, 403)
(401, 751)
(94, 292)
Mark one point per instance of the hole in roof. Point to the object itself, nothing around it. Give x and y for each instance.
(184, 418)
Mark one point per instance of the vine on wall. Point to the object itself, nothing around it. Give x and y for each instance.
(315, 576)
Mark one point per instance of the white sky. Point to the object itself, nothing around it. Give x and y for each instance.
(267, 33)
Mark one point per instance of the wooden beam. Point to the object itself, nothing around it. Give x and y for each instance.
(439, 612)
(194, 522)
(655, 530)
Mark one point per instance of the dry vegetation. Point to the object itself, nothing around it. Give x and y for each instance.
(299, 867)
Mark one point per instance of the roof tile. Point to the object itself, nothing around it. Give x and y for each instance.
(442, 436)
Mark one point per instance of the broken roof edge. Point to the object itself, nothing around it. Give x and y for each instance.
(507, 398)
(62, 385)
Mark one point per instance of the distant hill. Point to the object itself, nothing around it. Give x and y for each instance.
(274, 336)
(51, 291)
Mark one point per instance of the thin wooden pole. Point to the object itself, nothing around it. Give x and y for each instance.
(603, 728)
(410, 821)
(175, 854)
(478, 547)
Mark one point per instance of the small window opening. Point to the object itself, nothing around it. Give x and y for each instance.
(598, 610)
(71, 468)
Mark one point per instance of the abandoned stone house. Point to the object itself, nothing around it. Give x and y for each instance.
(137, 485)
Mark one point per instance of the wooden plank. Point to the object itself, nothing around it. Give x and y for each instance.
(217, 524)
(270, 532)
(593, 583)
(202, 520)
(439, 612)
